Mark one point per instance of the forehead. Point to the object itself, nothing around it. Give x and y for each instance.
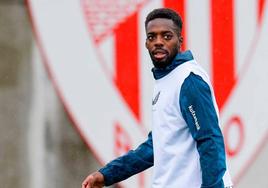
(160, 25)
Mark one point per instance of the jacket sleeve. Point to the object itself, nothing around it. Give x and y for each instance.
(129, 164)
(199, 112)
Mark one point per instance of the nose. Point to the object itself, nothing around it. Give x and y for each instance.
(159, 41)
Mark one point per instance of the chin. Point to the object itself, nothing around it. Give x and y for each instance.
(160, 64)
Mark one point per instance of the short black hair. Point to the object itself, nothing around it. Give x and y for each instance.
(165, 13)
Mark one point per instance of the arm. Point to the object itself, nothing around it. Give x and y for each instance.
(127, 165)
(200, 115)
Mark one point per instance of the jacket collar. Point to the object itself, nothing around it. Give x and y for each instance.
(178, 60)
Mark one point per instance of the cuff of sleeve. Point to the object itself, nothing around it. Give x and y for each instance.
(219, 184)
(108, 180)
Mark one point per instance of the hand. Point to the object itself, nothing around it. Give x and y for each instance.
(94, 180)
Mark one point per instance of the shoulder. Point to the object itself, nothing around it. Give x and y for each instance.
(195, 83)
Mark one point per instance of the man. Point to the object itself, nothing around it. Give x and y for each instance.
(186, 146)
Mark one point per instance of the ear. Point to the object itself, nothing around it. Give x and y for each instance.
(180, 41)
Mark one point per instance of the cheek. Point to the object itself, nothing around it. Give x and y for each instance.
(173, 46)
(149, 47)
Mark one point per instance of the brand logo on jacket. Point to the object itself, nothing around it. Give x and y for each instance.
(156, 98)
(192, 111)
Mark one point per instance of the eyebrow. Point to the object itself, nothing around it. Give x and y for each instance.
(163, 32)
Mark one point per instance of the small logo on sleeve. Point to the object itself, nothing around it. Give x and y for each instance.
(191, 109)
(156, 98)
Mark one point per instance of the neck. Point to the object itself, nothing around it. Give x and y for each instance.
(179, 59)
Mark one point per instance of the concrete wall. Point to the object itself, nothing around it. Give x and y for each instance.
(39, 145)
(15, 84)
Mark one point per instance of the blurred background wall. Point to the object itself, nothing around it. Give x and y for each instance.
(39, 147)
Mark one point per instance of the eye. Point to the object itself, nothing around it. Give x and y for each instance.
(168, 36)
(150, 37)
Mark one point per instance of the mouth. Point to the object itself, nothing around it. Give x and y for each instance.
(160, 54)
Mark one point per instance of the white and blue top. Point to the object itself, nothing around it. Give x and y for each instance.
(186, 146)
